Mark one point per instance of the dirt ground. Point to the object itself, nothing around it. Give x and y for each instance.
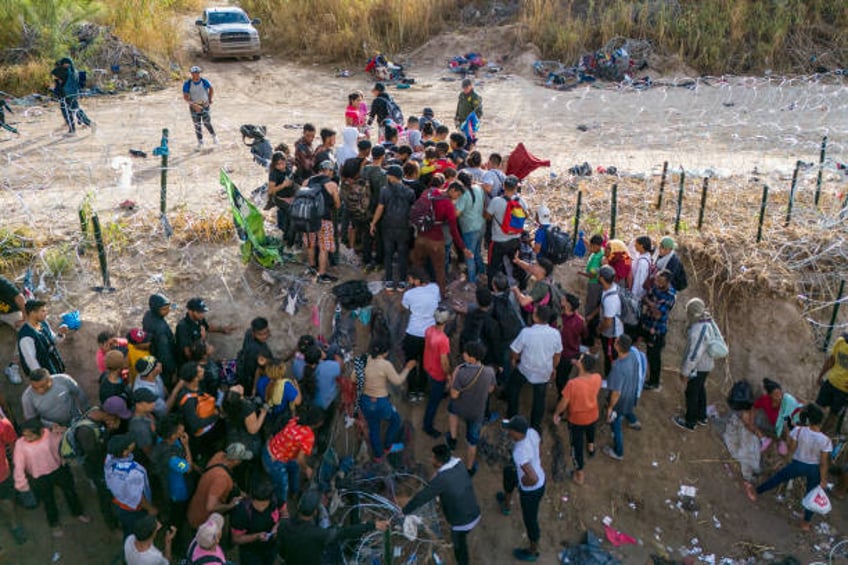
(731, 126)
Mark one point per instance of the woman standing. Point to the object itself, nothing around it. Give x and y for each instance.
(697, 364)
(375, 403)
(810, 459)
(579, 403)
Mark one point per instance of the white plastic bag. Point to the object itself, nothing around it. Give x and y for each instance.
(817, 501)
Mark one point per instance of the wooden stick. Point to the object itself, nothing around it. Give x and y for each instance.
(577, 216)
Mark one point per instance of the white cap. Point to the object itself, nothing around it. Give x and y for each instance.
(543, 214)
(194, 69)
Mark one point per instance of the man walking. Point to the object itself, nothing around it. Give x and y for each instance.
(198, 92)
(623, 382)
(469, 103)
(452, 484)
(535, 355)
(527, 474)
(67, 88)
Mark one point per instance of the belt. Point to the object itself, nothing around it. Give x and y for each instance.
(123, 506)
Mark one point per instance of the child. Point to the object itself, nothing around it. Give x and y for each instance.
(138, 346)
(106, 342)
(540, 238)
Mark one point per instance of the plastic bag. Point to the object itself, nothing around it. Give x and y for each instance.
(817, 501)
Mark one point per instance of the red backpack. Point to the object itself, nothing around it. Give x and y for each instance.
(422, 214)
(514, 217)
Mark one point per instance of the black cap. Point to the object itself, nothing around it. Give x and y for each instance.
(428, 112)
(197, 304)
(157, 301)
(144, 395)
(518, 424)
(395, 171)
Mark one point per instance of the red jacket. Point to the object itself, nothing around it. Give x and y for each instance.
(444, 213)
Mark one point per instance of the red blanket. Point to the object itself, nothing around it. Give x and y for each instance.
(521, 162)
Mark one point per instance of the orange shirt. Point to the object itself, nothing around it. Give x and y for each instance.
(582, 394)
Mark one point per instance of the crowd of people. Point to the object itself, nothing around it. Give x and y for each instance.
(202, 455)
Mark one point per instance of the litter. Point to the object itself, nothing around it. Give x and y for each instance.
(466, 64)
(618, 538)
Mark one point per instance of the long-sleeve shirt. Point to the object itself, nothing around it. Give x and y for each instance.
(445, 214)
(453, 486)
(36, 458)
(7, 437)
(695, 357)
(378, 373)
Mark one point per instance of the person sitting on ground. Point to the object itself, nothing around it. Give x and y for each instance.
(455, 491)
(56, 399)
(579, 403)
(776, 411)
(139, 548)
(623, 383)
(39, 467)
(833, 381)
(810, 459)
(376, 403)
(324, 238)
(216, 491)
(302, 540)
(471, 384)
(527, 474)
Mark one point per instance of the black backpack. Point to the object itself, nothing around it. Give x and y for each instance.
(507, 318)
(393, 111)
(353, 294)
(741, 396)
(558, 246)
(308, 207)
(397, 207)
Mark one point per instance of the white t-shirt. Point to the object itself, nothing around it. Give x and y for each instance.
(150, 557)
(641, 270)
(421, 302)
(527, 451)
(611, 308)
(537, 346)
(811, 445)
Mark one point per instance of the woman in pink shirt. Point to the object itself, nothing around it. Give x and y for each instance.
(38, 466)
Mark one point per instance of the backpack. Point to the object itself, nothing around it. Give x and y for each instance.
(253, 133)
(716, 346)
(205, 404)
(69, 450)
(393, 111)
(631, 307)
(648, 283)
(741, 396)
(507, 318)
(559, 246)
(514, 217)
(422, 213)
(353, 294)
(397, 208)
(308, 207)
(357, 199)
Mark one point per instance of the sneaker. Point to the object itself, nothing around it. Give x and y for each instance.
(523, 554)
(450, 441)
(637, 425)
(609, 452)
(681, 423)
(401, 286)
(395, 448)
(389, 286)
(433, 433)
(13, 372)
(473, 470)
(652, 387)
(324, 279)
(502, 505)
(703, 422)
(215, 140)
(199, 146)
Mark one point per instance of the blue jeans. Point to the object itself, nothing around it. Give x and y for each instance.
(285, 476)
(475, 264)
(810, 471)
(437, 392)
(617, 436)
(375, 411)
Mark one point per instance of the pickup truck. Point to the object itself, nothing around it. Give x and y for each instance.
(228, 32)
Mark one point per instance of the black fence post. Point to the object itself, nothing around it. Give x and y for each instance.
(821, 170)
(792, 193)
(662, 184)
(762, 213)
(679, 202)
(833, 315)
(704, 189)
(613, 209)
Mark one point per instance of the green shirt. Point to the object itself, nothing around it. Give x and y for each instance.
(594, 265)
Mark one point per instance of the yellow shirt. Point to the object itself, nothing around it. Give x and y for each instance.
(838, 374)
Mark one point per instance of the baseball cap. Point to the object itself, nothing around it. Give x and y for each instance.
(544, 214)
(518, 424)
(668, 243)
(326, 165)
(395, 171)
(145, 365)
(197, 304)
(467, 82)
(157, 301)
(194, 69)
(144, 395)
(238, 452)
(511, 181)
(117, 406)
(115, 360)
(137, 335)
(209, 531)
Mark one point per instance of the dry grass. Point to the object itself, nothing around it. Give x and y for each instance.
(714, 36)
(347, 30)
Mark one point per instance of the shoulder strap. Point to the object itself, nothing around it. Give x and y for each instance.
(474, 380)
(186, 396)
(698, 343)
(221, 466)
